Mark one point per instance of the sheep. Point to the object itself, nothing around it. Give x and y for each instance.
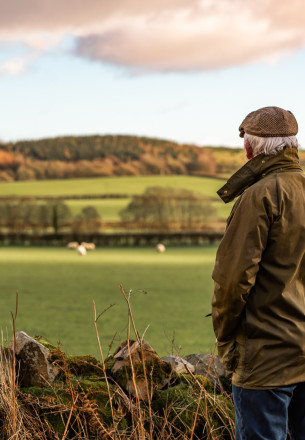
(81, 250)
(160, 248)
(88, 246)
(72, 245)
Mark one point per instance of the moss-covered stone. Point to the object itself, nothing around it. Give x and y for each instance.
(84, 366)
(45, 343)
(156, 371)
(179, 400)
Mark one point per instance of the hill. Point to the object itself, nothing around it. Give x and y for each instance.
(97, 156)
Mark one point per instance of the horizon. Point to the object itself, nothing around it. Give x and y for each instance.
(119, 135)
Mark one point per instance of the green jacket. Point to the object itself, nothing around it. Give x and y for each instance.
(258, 307)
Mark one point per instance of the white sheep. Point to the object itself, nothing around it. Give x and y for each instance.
(160, 248)
(81, 250)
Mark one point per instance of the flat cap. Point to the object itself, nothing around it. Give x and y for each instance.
(269, 122)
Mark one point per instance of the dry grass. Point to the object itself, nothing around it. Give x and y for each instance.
(187, 410)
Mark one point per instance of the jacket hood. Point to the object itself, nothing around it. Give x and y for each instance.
(257, 168)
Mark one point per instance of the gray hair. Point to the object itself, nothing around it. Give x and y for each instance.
(270, 145)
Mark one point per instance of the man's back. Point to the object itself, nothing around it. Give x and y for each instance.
(272, 329)
(264, 247)
(258, 306)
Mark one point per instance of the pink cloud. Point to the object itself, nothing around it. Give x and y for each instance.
(164, 35)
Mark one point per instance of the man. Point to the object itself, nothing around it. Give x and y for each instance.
(259, 297)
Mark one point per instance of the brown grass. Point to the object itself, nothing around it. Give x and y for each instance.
(193, 412)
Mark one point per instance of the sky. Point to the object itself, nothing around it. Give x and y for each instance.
(183, 70)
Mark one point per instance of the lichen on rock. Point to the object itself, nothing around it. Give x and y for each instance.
(34, 361)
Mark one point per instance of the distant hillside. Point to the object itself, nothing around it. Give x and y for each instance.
(92, 156)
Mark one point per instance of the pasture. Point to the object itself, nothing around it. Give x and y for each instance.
(56, 289)
(109, 209)
(128, 185)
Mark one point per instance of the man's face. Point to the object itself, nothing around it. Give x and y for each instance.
(249, 152)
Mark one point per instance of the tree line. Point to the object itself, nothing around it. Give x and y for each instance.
(157, 209)
(165, 208)
(93, 156)
(36, 218)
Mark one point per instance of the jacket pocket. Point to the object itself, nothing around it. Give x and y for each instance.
(228, 353)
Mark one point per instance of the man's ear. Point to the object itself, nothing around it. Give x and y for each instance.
(248, 148)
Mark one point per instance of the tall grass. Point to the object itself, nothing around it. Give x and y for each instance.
(65, 410)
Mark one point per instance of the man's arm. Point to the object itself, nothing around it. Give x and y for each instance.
(237, 261)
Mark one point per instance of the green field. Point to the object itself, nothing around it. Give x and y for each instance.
(56, 289)
(110, 185)
(109, 209)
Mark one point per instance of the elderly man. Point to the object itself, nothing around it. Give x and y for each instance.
(259, 297)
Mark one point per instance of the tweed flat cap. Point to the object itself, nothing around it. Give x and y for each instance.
(269, 122)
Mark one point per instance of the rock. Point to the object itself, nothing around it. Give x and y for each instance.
(179, 364)
(155, 370)
(35, 368)
(141, 389)
(136, 350)
(201, 363)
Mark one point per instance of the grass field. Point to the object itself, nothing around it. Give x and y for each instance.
(110, 185)
(109, 209)
(56, 289)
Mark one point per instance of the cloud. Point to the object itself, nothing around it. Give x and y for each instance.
(13, 66)
(164, 35)
(17, 65)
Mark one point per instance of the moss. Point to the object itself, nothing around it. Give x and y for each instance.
(92, 387)
(180, 404)
(97, 391)
(45, 343)
(58, 392)
(58, 395)
(84, 366)
(197, 381)
(57, 421)
(156, 372)
(180, 401)
(109, 363)
(170, 396)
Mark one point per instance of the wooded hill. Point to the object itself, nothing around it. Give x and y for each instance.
(92, 156)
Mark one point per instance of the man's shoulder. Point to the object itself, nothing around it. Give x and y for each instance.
(265, 185)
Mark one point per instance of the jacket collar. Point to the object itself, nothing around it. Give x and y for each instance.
(257, 168)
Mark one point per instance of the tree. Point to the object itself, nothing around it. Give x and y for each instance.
(61, 215)
(88, 221)
(162, 208)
